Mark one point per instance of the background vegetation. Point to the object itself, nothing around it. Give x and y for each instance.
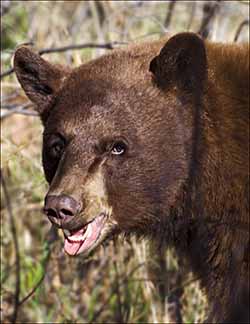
(39, 283)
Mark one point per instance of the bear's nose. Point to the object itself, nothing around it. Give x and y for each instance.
(60, 208)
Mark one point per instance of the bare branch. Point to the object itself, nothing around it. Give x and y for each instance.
(11, 96)
(7, 72)
(240, 28)
(16, 247)
(109, 46)
(33, 289)
(21, 110)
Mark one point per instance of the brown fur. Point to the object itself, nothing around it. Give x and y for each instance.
(184, 178)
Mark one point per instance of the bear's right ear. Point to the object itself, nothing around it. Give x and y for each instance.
(40, 79)
(182, 62)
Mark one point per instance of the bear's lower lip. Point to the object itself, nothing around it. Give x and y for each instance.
(83, 239)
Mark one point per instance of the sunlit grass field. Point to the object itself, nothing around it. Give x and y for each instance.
(113, 285)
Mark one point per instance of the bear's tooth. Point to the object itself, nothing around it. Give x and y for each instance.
(89, 231)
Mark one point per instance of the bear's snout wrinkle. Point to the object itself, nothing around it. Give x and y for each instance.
(61, 208)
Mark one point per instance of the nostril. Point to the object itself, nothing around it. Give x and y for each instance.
(51, 212)
(66, 212)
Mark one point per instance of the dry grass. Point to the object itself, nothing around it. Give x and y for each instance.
(112, 285)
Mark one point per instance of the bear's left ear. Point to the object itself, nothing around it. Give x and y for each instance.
(40, 79)
(182, 62)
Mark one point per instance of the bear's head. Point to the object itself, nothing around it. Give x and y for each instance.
(118, 136)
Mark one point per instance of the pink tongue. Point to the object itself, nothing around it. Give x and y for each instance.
(93, 230)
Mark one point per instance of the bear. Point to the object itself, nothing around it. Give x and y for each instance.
(152, 140)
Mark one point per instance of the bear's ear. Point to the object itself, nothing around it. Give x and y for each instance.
(39, 79)
(182, 62)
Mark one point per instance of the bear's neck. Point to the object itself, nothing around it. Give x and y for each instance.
(209, 225)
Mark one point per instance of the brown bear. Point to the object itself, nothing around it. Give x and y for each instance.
(153, 140)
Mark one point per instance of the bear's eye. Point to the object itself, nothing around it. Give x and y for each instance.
(57, 149)
(57, 146)
(118, 148)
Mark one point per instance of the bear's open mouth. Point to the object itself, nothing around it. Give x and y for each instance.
(86, 238)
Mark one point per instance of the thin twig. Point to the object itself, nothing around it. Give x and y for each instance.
(21, 110)
(33, 290)
(12, 96)
(16, 246)
(7, 72)
(240, 28)
(109, 46)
